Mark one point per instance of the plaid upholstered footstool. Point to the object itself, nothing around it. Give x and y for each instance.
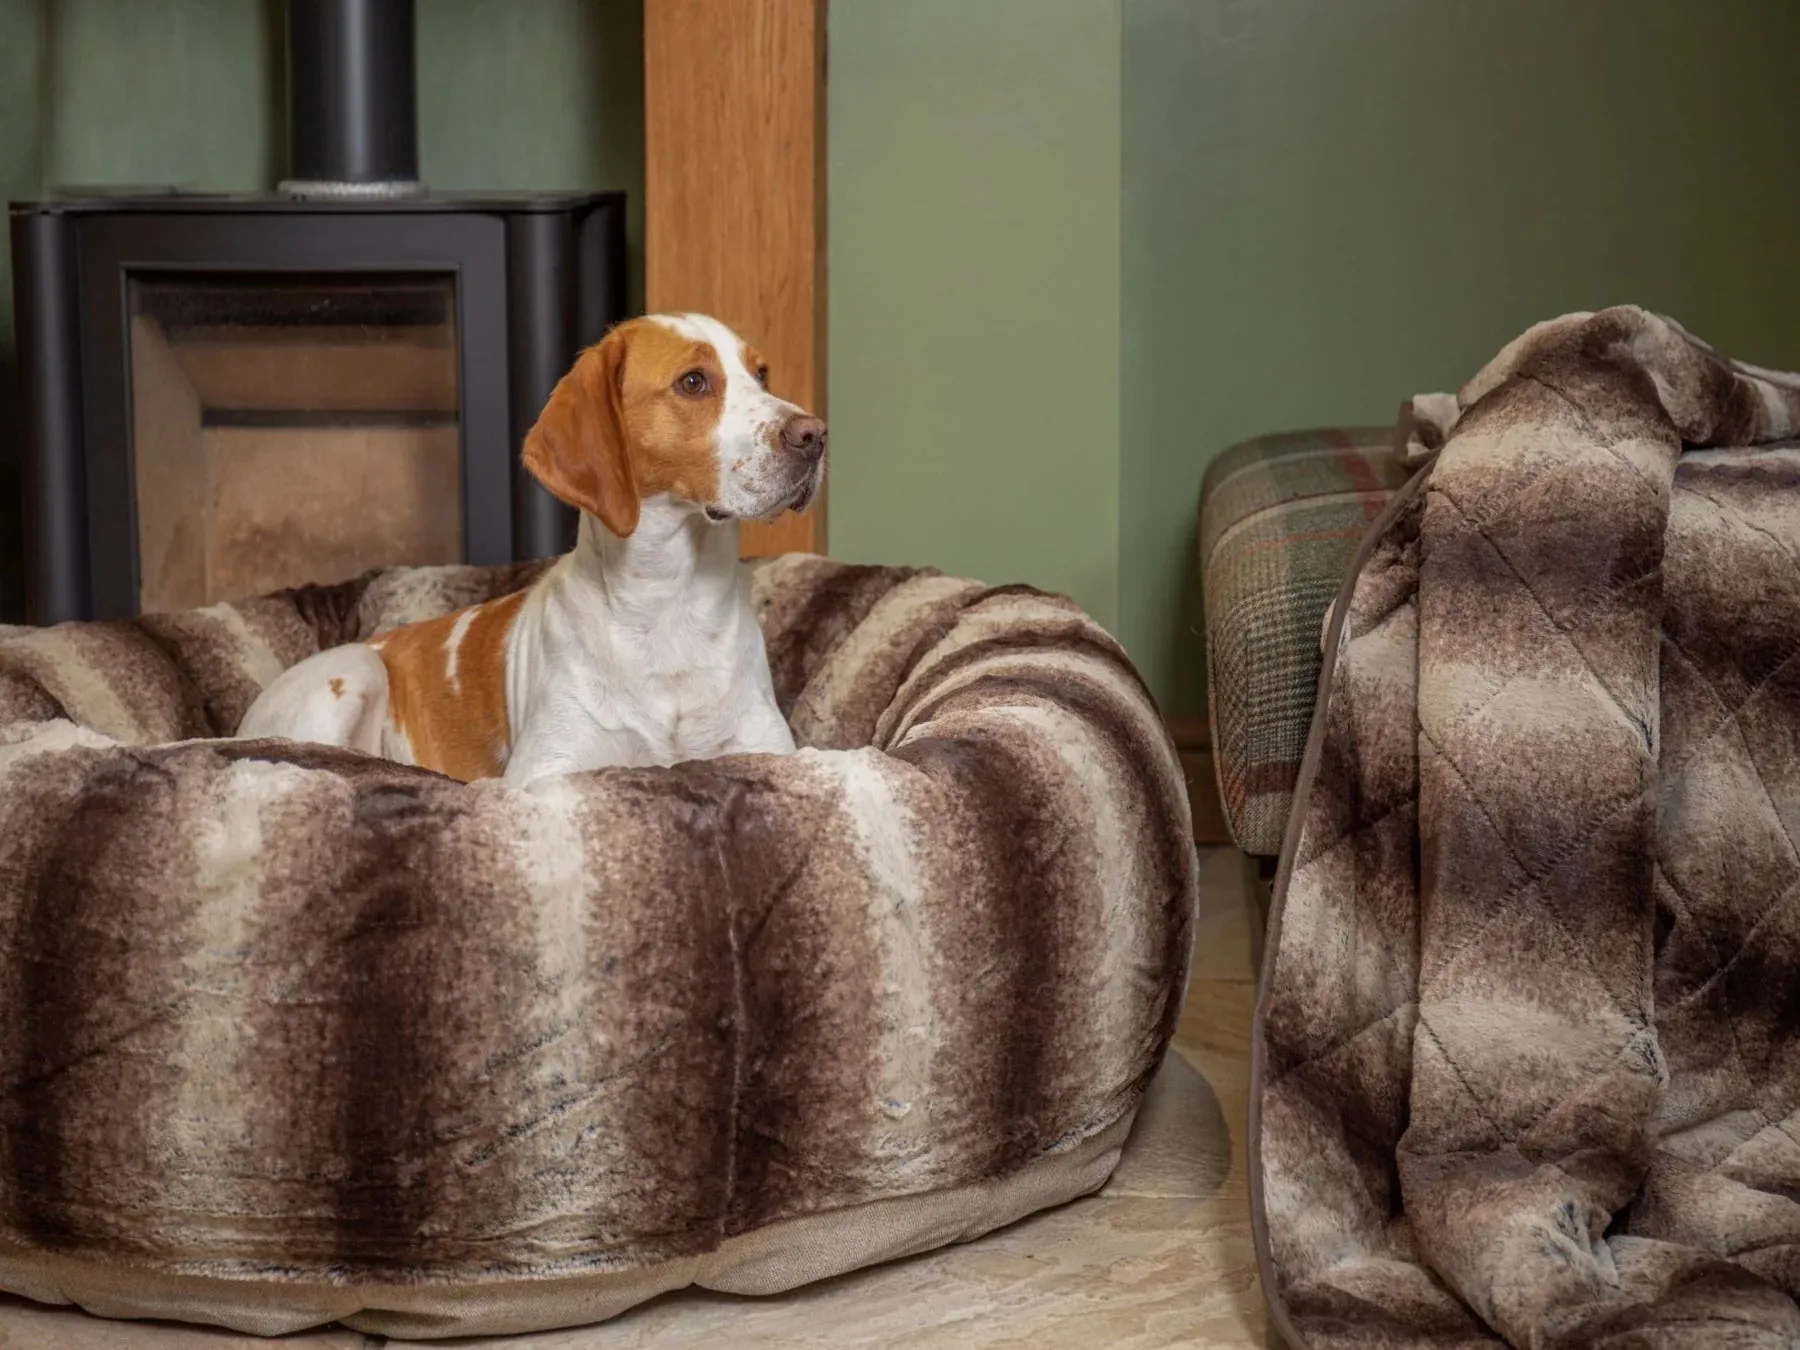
(1280, 520)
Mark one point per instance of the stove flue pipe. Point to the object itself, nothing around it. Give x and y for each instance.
(353, 126)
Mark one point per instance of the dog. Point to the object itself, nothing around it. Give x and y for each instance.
(638, 648)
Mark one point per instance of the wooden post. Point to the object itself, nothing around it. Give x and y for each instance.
(734, 177)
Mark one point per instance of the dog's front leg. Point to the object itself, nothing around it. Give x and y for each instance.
(530, 761)
(571, 742)
(763, 731)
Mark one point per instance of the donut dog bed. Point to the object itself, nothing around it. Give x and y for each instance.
(290, 1035)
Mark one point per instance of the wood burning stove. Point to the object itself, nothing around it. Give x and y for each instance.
(224, 395)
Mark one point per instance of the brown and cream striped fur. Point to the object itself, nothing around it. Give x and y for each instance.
(1527, 1058)
(290, 1034)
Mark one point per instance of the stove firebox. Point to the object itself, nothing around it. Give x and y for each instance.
(224, 395)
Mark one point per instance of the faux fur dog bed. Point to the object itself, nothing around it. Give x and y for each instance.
(289, 1035)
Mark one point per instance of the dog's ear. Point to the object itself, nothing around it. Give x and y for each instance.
(578, 449)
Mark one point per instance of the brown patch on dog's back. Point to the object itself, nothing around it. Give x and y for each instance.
(337, 686)
(457, 726)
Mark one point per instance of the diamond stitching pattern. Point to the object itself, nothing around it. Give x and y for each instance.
(1565, 634)
(1531, 887)
(1603, 662)
(1718, 961)
(1495, 1133)
(1783, 898)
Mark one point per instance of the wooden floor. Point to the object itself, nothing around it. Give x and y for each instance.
(1160, 1257)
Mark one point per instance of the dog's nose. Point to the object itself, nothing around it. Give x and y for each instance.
(805, 437)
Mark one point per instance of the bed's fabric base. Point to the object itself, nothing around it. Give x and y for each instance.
(769, 1260)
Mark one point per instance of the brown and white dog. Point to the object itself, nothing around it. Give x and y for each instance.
(638, 648)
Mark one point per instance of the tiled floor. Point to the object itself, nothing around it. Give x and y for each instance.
(1161, 1257)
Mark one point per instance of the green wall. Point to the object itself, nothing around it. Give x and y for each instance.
(534, 94)
(973, 178)
(182, 93)
(1331, 206)
(1079, 246)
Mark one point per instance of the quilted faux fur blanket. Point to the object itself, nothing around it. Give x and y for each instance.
(289, 1035)
(1527, 1056)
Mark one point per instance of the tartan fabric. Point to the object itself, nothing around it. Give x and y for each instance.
(1280, 519)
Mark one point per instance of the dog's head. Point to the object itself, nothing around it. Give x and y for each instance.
(675, 404)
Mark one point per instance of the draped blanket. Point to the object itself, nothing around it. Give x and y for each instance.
(289, 1034)
(1527, 1054)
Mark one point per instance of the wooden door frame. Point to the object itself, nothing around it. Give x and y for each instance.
(734, 192)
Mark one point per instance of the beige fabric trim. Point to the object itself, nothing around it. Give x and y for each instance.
(768, 1260)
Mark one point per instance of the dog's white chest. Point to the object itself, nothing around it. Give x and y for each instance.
(594, 689)
(687, 714)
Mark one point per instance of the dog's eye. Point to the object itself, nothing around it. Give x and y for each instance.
(693, 383)
(762, 376)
